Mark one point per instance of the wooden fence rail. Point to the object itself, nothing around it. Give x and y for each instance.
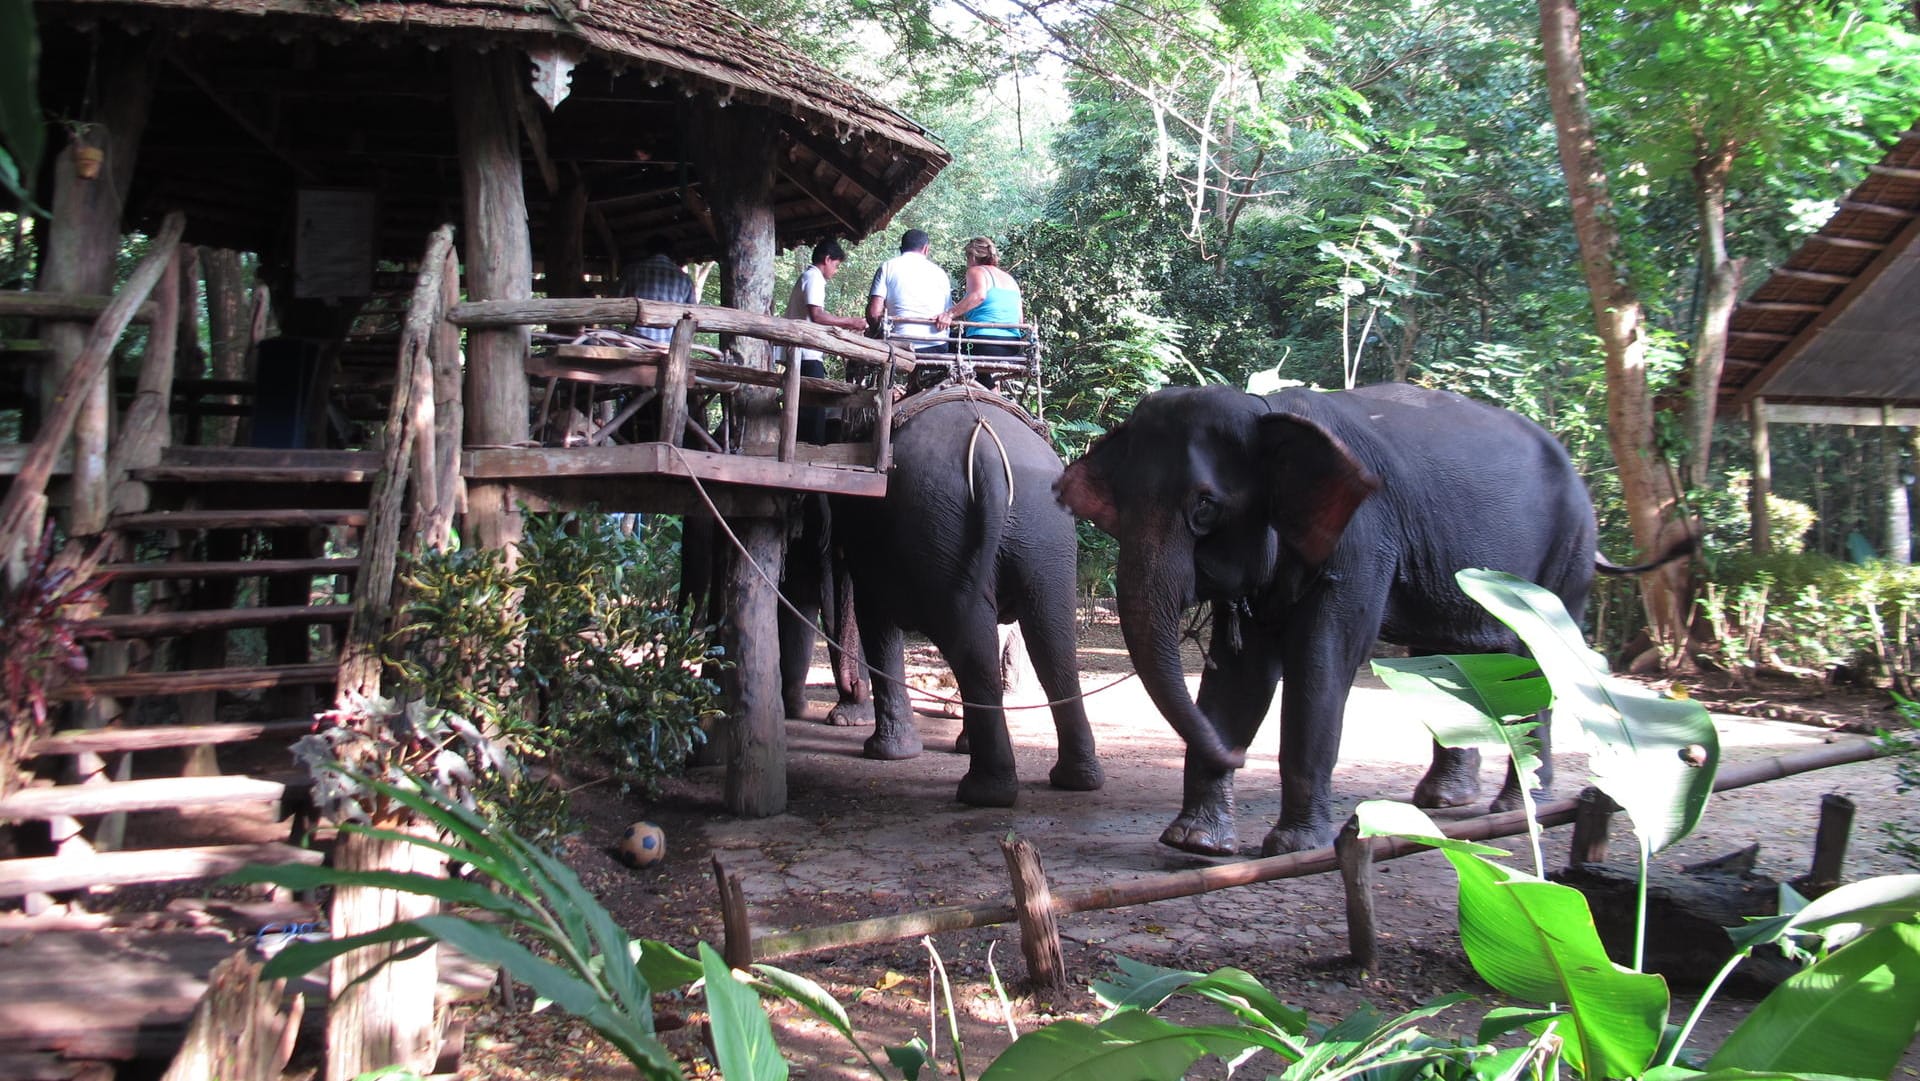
(742, 949)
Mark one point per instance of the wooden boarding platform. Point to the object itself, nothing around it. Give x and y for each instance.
(110, 995)
(653, 477)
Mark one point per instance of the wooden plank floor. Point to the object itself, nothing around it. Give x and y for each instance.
(126, 995)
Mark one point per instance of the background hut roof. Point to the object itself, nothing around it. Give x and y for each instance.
(256, 99)
(1837, 323)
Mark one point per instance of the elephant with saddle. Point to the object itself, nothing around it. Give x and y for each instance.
(968, 537)
(1314, 524)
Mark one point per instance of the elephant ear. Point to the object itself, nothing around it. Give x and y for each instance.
(1317, 484)
(1086, 487)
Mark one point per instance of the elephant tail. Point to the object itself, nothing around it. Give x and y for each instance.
(1685, 546)
(982, 424)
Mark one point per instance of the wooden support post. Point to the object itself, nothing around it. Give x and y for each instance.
(736, 162)
(229, 332)
(1033, 900)
(1899, 542)
(1762, 478)
(449, 411)
(79, 258)
(1591, 821)
(384, 1018)
(790, 410)
(738, 947)
(674, 380)
(1355, 854)
(1829, 846)
(499, 263)
(243, 1029)
(883, 418)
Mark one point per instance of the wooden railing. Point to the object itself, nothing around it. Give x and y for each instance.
(677, 368)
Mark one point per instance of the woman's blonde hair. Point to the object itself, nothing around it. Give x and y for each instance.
(981, 250)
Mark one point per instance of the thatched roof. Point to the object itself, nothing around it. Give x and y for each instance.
(1838, 324)
(259, 98)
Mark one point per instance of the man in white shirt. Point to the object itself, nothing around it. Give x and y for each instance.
(911, 290)
(809, 301)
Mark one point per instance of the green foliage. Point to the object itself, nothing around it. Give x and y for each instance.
(22, 130)
(1904, 746)
(1807, 610)
(575, 652)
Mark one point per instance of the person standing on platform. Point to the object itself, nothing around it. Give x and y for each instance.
(912, 291)
(656, 277)
(809, 301)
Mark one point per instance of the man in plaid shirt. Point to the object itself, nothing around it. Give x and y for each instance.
(656, 277)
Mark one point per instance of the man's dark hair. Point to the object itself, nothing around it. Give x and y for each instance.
(914, 240)
(828, 249)
(657, 244)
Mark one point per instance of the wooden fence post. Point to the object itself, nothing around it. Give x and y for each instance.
(1033, 900)
(738, 947)
(1591, 820)
(1356, 873)
(1829, 846)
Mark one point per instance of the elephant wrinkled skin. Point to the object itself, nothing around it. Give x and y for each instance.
(1315, 524)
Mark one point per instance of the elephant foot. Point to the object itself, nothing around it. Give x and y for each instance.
(892, 746)
(850, 714)
(794, 707)
(1509, 799)
(1077, 776)
(962, 745)
(987, 790)
(1191, 834)
(1282, 840)
(1450, 784)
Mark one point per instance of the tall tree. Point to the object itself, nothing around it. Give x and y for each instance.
(1648, 488)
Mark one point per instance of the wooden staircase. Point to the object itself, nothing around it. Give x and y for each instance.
(229, 593)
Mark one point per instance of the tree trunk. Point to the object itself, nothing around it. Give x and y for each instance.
(1720, 291)
(1650, 493)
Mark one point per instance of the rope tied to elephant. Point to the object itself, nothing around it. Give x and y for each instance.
(734, 539)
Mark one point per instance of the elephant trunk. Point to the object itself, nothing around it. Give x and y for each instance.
(1154, 586)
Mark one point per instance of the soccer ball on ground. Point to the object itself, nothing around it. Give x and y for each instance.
(642, 845)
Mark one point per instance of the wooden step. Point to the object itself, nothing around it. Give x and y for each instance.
(155, 736)
(202, 679)
(155, 794)
(252, 474)
(50, 874)
(272, 457)
(238, 568)
(238, 519)
(174, 624)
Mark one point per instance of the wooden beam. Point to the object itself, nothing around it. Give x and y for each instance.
(155, 794)
(532, 463)
(149, 737)
(834, 156)
(1782, 306)
(1813, 276)
(1847, 242)
(1895, 172)
(1878, 208)
(826, 199)
(1859, 416)
(51, 874)
(307, 173)
(64, 306)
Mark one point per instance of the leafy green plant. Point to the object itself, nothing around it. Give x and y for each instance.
(1904, 746)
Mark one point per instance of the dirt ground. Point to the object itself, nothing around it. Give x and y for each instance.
(863, 839)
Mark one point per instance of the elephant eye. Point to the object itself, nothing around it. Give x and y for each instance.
(1204, 515)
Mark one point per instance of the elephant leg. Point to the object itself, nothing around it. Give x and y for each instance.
(1235, 692)
(1509, 797)
(1313, 703)
(1050, 646)
(855, 704)
(796, 657)
(974, 655)
(1453, 777)
(894, 736)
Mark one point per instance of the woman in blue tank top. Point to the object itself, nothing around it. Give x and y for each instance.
(992, 296)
